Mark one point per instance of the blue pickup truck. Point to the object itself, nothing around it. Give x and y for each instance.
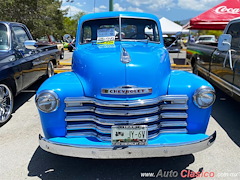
(21, 63)
(122, 100)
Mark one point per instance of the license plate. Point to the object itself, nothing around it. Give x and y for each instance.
(125, 135)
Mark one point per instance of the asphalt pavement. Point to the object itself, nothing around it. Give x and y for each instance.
(21, 157)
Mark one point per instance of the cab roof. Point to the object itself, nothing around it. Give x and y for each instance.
(113, 14)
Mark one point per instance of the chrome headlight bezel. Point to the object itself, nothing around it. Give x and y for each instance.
(199, 95)
(47, 94)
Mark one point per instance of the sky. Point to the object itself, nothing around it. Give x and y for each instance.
(175, 10)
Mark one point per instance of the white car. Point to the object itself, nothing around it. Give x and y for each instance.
(206, 39)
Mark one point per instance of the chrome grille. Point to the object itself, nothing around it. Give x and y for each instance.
(91, 117)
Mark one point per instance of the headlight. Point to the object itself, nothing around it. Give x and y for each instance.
(204, 97)
(47, 101)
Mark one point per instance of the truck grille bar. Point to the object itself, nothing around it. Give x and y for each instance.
(89, 117)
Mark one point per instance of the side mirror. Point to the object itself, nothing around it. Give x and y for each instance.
(224, 42)
(30, 44)
(178, 34)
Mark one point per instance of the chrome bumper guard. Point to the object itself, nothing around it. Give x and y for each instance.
(107, 152)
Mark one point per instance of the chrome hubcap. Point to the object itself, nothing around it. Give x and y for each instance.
(6, 103)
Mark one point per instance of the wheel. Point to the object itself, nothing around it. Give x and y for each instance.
(50, 69)
(6, 103)
(70, 49)
(62, 54)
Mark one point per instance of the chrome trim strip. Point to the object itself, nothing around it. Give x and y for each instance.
(174, 99)
(174, 115)
(113, 111)
(112, 121)
(230, 87)
(174, 107)
(236, 90)
(174, 131)
(220, 81)
(203, 71)
(100, 129)
(173, 124)
(110, 152)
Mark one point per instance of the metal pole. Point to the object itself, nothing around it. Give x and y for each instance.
(110, 5)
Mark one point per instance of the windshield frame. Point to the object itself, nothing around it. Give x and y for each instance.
(8, 37)
(120, 17)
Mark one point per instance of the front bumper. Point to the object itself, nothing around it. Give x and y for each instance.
(110, 152)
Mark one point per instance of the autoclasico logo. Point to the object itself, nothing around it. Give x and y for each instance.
(226, 10)
(185, 173)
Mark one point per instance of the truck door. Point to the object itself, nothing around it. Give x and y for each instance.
(234, 30)
(27, 57)
(223, 71)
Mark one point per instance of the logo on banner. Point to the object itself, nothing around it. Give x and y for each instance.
(226, 10)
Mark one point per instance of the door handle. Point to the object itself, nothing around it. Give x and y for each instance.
(229, 53)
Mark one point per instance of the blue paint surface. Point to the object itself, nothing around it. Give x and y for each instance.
(97, 66)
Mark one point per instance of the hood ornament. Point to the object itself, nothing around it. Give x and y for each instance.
(125, 58)
(127, 90)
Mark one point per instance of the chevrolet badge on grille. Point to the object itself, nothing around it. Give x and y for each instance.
(126, 90)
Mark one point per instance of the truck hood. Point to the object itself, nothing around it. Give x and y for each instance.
(100, 67)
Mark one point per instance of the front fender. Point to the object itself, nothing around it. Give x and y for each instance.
(64, 85)
(182, 82)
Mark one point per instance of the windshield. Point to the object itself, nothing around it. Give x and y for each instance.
(4, 45)
(110, 30)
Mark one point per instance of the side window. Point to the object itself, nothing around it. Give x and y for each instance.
(234, 30)
(4, 44)
(87, 34)
(19, 37)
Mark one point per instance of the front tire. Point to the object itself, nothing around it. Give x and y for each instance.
(50, 69)
(6, 103)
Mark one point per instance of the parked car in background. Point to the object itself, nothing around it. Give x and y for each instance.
(219, 62)
(71, 45)
(172, 44)
(69, 42)
(122, 100)
(50, 40)
(206, 39)
(21, 63)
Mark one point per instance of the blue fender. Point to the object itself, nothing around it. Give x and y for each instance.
(181, 83)
(64, 85)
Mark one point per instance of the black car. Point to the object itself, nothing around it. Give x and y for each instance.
(21, 64)
(71, 46)
(172, 45)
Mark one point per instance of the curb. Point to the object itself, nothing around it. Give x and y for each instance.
(60, 70)
(65, 63)
(180, 66)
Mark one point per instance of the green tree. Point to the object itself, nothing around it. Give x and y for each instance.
(217, 33)
(70, 23)
(40, 16)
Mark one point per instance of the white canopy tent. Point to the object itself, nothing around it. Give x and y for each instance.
(169, 27)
